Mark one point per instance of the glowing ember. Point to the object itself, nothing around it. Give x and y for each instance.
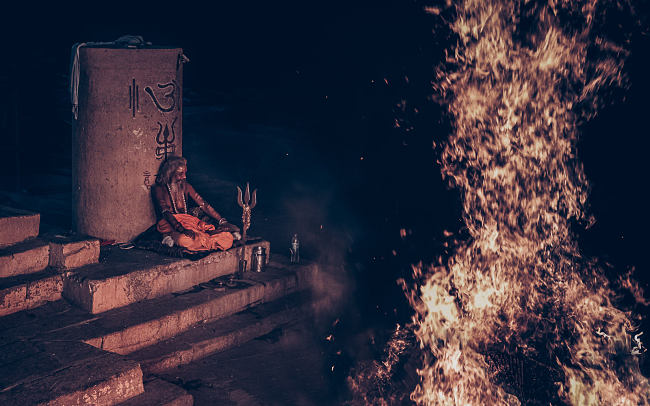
(372, 383)
(519, 288)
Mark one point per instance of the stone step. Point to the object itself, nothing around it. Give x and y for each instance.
(71, 251)
(25, 257)
(124, 277)
(24, 292)
(209, 338)
(17, 225)
(158, 392)
(65, 373)
(145, 323)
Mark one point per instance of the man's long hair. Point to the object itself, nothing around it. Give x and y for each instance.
(168, 167)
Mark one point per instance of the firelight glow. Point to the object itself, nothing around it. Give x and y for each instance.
(519, 286)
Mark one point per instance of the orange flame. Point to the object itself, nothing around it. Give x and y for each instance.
(520, 284)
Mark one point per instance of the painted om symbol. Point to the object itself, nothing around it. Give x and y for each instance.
(170, 96)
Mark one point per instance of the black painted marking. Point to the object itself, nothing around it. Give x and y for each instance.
(147, 181)
(166, 142)
(134, 98)
(170, 96)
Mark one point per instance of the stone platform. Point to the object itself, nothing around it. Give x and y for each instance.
(156, 334)
(144, 323)
(123, 277)
(80, 325)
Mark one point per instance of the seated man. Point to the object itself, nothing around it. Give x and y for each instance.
(171, 193)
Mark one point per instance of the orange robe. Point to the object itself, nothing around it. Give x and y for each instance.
(202, 241)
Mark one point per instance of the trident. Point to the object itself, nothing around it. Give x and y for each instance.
(247, 205)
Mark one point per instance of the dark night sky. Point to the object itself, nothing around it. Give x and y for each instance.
(319, 67)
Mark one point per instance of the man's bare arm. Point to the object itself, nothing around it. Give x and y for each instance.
(209, 210)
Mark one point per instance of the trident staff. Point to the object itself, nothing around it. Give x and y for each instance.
(247, 204)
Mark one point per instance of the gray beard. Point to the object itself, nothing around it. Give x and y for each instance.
(177, 186)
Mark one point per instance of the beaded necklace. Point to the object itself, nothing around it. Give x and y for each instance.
(171, 197)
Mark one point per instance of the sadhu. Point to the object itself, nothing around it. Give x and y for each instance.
(198, 229)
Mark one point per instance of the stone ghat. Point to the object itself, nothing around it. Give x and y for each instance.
(80, 325)
(123, 277)
(150, 336)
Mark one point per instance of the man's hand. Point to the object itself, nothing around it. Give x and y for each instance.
(189, 233)
(227, 227)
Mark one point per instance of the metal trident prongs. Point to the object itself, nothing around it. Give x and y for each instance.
(247, 204)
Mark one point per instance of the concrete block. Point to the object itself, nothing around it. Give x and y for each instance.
(137, 275)
(65, 373)
(47, 289)
(29, 291)
(12, 299)
(68, 253)
(17, 225)
(23, 258)
(161, 393)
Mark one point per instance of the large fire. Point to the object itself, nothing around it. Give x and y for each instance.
(521, 77)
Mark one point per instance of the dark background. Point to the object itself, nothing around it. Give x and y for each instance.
(302, 100)
(299, 99)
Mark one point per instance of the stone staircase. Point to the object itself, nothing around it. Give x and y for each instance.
(88, 326)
